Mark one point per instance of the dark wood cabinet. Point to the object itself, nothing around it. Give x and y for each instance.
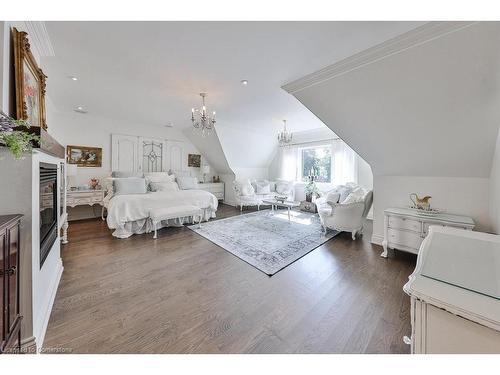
(10, 318)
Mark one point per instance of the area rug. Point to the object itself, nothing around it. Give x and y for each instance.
(267, 241)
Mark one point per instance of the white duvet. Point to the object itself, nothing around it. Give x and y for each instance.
(128, 214)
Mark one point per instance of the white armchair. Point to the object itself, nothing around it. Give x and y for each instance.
(344, 217)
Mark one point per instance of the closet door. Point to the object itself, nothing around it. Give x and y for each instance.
(176, 156)
(124, 151)
(152, 155)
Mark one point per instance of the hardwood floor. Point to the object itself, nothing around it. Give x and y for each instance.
(183, 294)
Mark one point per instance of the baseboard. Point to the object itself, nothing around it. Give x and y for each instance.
(230, 203)
(28, 345)
(46, 317)
(377, 239)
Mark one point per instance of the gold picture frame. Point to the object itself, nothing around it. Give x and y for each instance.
(84, 156)
(194, 160)
(29, 81)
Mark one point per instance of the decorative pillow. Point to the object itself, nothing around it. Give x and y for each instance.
(282, 187)
(187, 183)
(262, 187)
(247, 189)
(130, 185)
(164, 186)
(344, 191)
(357, 195)
(159, 177)
(332, 197)
(120, 174)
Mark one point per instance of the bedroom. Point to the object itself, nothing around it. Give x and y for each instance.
(191, 193)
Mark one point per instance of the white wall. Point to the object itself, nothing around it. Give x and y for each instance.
(495, 189)
(458, 195)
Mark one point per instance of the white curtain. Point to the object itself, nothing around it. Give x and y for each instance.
(345, 163)
(289, 162)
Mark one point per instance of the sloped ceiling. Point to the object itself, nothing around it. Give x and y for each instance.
(211, 149)
(430, 107)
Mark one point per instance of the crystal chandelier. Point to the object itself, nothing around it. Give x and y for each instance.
(201, 121)
(284, 136)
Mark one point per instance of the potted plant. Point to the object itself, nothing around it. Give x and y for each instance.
(19, 142)
(311, 189)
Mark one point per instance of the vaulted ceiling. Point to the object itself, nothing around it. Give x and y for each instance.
(152, 72)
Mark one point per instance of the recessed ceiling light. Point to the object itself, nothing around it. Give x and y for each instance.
(80, 109)
(244, 82)
(73, 78)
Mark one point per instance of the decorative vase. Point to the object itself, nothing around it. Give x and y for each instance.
(93, 183)
(309, 197)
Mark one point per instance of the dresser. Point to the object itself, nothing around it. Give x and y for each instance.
(405, 229)
(10, 317)
(216, 188)
(455, 294)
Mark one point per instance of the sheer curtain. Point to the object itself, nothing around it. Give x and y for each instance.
(289, 163)
(345, 163)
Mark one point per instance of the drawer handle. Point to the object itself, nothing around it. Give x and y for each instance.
(407, 340)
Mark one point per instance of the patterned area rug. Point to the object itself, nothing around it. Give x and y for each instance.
(267, 241)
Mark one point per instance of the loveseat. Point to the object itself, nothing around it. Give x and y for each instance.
(254, 192)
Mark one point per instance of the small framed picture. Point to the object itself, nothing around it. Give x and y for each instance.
(194, 160)
(84, 156)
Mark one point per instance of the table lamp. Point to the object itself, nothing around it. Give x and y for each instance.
(71, 171)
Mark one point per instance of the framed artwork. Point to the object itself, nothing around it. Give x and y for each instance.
(194, 160)
(84, 156)
(29, 81)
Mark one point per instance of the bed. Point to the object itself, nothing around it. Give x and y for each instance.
(128, 214)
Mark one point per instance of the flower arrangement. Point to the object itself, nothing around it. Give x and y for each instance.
(19, 142)
(311, 189)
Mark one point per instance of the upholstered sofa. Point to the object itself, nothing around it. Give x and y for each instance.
(345, 208)
(254, 192)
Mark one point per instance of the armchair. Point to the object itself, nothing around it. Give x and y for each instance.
(344, 217)
(243, 199)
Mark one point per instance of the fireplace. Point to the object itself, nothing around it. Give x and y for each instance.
(48, 209)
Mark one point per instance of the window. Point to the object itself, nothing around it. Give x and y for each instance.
(316, 160)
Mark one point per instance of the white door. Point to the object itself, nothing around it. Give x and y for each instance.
(176, 156)
(124, 151)
(153, 155)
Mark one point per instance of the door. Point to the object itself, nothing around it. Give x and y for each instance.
(124, 151)
(152, 155)
(176, 156)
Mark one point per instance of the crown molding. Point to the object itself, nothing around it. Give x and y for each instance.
(39, 38)
(410, 39)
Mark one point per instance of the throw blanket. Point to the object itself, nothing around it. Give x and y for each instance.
(129, 213)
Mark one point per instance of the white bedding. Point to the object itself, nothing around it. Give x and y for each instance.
(128, 214)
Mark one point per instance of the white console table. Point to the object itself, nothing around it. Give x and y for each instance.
(216, 188)
(455, 294)
(405, 229)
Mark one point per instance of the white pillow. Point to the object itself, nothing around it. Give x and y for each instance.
(164, 186)
(282, 187)
(247, 189)
(159, 177)
(357, 195)
(130, 185)
(332, 197)
(262, 187)
(187, 183)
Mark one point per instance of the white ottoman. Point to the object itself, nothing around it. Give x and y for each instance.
(157, 215)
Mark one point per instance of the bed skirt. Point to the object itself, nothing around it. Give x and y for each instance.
(146, 226)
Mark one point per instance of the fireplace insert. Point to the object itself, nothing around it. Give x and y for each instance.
(48, 209)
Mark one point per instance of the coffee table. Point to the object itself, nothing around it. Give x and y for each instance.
(286, 204)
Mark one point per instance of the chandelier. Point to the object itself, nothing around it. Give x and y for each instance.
(201, 121)
(284, 136)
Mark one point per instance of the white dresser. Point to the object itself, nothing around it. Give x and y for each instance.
(216, 188)
(455, 293)
(405, 229)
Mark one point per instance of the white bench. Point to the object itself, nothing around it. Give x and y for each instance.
(157, 215)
